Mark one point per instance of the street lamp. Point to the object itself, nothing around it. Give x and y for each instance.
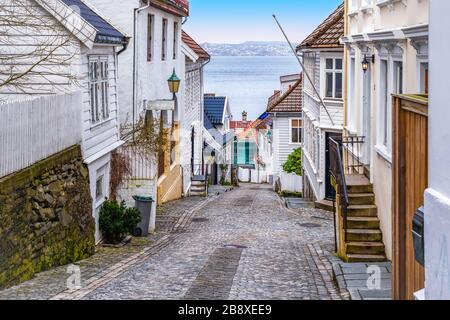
(365, 64)
(174, 83)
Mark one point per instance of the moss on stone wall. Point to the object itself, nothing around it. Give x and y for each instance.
(45, 217)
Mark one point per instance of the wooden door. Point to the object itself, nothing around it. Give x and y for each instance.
(410, 179)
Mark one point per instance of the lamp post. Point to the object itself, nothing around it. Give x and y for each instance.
(174, 87)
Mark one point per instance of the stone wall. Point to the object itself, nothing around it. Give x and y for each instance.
(45, 217)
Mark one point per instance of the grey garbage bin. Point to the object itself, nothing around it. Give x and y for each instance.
(144, 205)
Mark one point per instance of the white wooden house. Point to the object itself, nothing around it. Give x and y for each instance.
(154, 52)
(285, 107)
(323, 59)
(90, 45)
(192, 124)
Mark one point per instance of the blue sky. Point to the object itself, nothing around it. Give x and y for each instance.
(236, 21)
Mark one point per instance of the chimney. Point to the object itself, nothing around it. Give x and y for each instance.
(244, 116)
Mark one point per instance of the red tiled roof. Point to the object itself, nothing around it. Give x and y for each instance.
(194, 46)
(175, 7)
(290, 101)
(240, 124)
(328, 33)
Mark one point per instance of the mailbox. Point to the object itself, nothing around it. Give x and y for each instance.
(418, 236)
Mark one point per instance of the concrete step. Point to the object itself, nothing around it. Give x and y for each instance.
(361, 198)
(376, 248)
(365, 258)
(363, 223)
(197, 194)
(198, 183)
(362, 210)
(364, 235)
(358, 183)
(326, 205)
(198, 188)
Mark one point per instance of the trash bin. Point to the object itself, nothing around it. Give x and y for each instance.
(418, 236)
(144, 205)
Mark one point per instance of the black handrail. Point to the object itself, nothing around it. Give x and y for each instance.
(337, 172)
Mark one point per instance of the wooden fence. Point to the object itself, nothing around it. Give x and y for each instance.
(34, 129)
(410, 179)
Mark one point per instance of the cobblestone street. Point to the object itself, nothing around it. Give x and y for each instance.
(242, 244)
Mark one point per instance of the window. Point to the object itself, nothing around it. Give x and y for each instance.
(164, 40)
(99, 192)
(333, 78)
(98, 88)
(398, 77)
(296, 131)
(150, 36)
(352, 95)
(384, 101)
(175, 40)
(424, 78)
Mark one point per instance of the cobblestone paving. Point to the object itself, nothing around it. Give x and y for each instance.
(243, 244)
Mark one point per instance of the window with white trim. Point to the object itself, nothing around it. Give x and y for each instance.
(423, 73)
(296, 131)
(98, 88)
(384, 102)
(175, 40)
(164, 40)
(333, 78)
(352, 94)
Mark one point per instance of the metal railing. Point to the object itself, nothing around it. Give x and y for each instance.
(338, 174)
(352, 146)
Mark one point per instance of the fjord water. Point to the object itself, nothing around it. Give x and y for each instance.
(247, 81)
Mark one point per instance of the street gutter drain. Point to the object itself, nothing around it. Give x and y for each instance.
(200, 220)
(310, 225)
(235, 246)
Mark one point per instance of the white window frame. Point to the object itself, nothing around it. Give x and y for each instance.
(98, 84)
(351, 94)
(176, 32)
(421, 74)
(165, 25)
(333, 71)
(291, 128)
(384, 134)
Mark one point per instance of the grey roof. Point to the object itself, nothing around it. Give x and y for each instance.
(214, 108)
(106, 32)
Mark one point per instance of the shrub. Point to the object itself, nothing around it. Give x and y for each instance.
(294, 163)
(116, 220)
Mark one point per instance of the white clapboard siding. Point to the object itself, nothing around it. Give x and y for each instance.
(291, 182)
(282, 146)
(34, 129)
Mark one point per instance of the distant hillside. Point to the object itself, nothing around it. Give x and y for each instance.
(249, 48)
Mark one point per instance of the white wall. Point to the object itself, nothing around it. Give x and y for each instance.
(281, 137)
(437, 198)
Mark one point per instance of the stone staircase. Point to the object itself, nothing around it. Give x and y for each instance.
(364, 237)
(199, 187)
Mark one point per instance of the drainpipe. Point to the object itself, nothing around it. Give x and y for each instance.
(135, 53)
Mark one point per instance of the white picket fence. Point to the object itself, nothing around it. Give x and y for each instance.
(291, 182)
(34, 129)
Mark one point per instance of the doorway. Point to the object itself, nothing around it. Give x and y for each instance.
(330, 193)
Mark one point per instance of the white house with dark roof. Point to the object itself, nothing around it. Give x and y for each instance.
(285, 107)
(323, 59)
(192, 135)
(91, 45)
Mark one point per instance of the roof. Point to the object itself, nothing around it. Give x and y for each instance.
(239, 124)
(214, 108)
(176, 7)
(106, 32)
(290, 101)
(202, 54)
(328, 33)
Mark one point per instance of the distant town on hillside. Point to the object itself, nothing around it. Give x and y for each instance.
(249, 48)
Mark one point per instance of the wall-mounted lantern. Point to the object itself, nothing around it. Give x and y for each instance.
(365, 64)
